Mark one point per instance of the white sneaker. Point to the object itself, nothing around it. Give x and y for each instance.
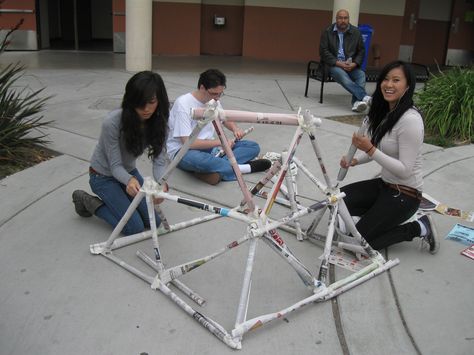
(359, 106)
(368, 100)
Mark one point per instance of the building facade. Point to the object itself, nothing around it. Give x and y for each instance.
(423, 31)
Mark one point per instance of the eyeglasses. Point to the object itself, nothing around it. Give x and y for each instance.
(215, 94)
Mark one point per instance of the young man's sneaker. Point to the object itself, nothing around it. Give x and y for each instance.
(258, 165)
(430, 240)
(209, 178)
(359, 106)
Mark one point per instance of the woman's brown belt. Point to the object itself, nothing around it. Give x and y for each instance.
(407, 190)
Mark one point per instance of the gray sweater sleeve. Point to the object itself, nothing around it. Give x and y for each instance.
(159, 165)
(399, 152)
(111, 144)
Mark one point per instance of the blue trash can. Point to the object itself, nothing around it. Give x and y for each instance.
(366, 31)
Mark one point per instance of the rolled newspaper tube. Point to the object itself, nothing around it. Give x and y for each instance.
(352, 149)
(251, 117)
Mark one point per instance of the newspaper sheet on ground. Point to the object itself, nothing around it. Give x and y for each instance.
(462, 234)
(469, 252)
(428, 203)
(347, 260)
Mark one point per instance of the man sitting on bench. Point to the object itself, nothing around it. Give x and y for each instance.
(342, 50)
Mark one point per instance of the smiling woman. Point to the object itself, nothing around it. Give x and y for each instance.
(394, 140)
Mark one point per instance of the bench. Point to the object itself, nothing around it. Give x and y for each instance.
(320, 72)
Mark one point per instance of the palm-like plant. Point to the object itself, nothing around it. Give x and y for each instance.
(20, 124)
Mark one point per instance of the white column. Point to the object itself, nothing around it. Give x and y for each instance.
(352, 6)
(138, 29)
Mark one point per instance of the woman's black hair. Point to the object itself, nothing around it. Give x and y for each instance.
(142, 88)
(381, 118)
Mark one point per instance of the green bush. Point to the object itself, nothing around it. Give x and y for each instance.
(447, 103)
(20, 124)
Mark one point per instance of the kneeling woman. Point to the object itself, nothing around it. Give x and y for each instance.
(395, 139)
(141, 124)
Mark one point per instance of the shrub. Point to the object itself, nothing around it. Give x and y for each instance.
(448, 105)
(20, 124)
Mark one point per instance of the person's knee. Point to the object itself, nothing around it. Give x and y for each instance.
(183, 166)
(359, 77)
(254, 146)
(134, 226)
(250, 145)
(197, 161)
(342, 78)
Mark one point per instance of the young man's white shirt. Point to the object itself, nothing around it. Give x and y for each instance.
(181, 124)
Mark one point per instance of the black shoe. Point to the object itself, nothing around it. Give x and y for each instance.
(84, 203)
(259, 165)
(431, 237)
(210, 178)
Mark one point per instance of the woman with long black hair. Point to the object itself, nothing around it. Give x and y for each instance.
(141, 124)
(394, 141)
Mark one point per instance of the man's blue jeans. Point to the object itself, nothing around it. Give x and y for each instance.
(353, 81)
(204, 161)
(116, 202)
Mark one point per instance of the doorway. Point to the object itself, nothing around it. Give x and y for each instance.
(438, 32)
(84, 25)
(432, 32)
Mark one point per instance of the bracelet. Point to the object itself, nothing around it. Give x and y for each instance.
(368, 151)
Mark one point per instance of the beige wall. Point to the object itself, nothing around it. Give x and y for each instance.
(292, 4)
(383, 7)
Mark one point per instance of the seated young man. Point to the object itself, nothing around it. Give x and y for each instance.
(201, 159)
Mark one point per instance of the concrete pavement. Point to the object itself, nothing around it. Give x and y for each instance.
(57, 298)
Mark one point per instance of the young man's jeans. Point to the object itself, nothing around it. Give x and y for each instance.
(353, 81)
(116, 202)
(204, 161)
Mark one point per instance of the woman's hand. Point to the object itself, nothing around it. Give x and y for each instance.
(361, 142)
(158, 200)
(133, 186)
(344, 164)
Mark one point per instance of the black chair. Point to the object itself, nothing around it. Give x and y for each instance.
(319, 71)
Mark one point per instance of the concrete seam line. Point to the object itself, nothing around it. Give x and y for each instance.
(286, 98)
(399, 309)
(445, 165)
(74, 133)
(38, 198)
(337, 316)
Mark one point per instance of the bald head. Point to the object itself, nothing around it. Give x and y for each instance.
(342, 20)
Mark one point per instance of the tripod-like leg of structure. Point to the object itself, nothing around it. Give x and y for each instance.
(292, 197)
(123, 221)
